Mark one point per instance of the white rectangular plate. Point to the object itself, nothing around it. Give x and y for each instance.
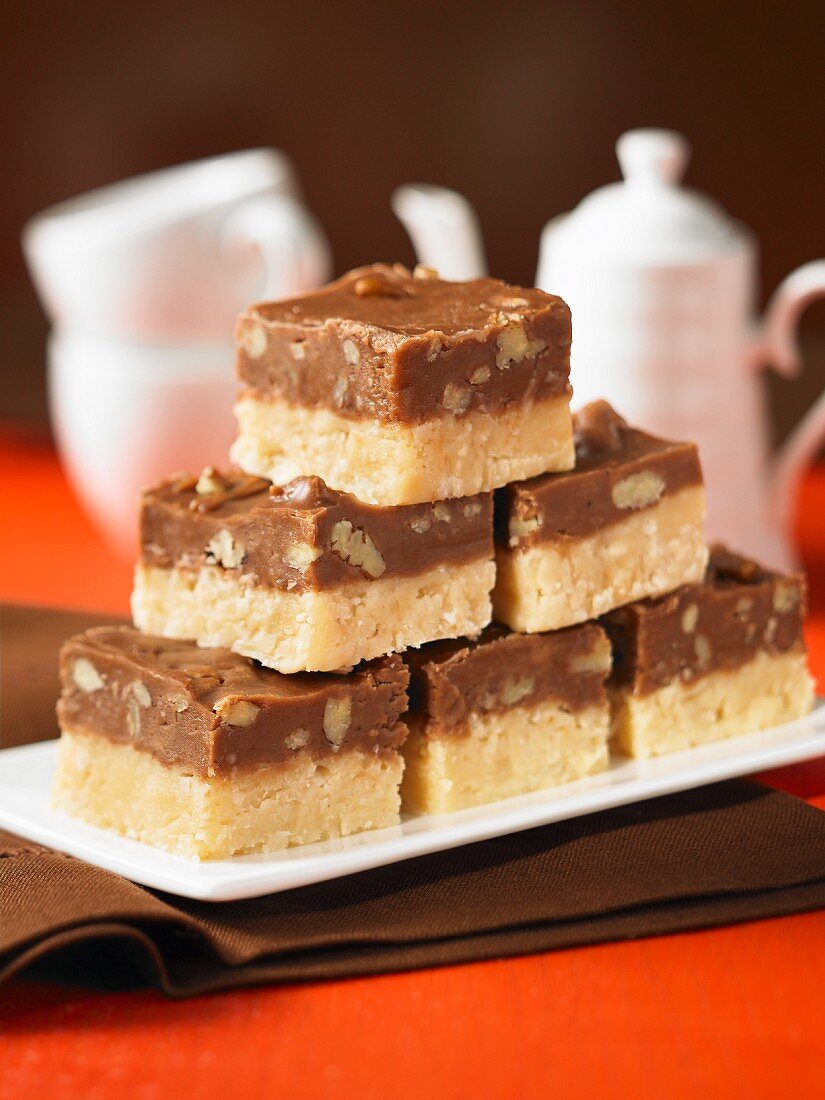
(26, 775)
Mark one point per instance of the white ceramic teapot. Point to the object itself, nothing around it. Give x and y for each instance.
(661, 285)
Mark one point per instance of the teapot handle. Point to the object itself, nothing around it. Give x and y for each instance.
(778, 348)
(794, 294)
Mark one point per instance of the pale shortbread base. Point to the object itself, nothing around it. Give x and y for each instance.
(316, 631)
(766, 691)
(503, 753)
(566, 581)
(264, 809)
(393, 464)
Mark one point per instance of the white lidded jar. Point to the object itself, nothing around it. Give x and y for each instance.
(661, 284)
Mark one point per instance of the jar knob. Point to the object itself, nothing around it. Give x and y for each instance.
(652, 156)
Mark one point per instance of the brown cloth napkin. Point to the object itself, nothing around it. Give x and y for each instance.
(730, 852)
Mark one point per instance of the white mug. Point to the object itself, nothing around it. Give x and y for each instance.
(174, 256)
(125, 415)
(143, 282)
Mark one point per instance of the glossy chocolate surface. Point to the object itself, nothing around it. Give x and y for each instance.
(739, 611)
(210, 710)
(584, 500)
(500, 669)
(296, 537)
(384, 343)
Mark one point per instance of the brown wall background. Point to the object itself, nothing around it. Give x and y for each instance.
(517, 105)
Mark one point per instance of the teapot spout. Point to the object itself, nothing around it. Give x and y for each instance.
(443, 228)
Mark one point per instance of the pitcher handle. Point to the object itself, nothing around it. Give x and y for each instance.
(295, 253)
(779, 349)
(793, 295)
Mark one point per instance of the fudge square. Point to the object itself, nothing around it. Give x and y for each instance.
(627, 523)
(207, 755)
(403, 388)
(304, 577)
(504, 714)
(709, 661)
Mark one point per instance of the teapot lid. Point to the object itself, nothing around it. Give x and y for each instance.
(649, 217)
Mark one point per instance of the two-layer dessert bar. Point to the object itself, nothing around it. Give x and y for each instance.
(304, 577)
(709, 661)
(627, 523)
(207, 755)
(404, 388)
(505, 714)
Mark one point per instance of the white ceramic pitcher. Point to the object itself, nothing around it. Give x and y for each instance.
(661, 284)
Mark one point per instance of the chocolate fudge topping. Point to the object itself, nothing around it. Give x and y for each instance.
(501, 669)
(304, 535)
(619, 470)
(210, 710)
(739, 610)
(385, 343)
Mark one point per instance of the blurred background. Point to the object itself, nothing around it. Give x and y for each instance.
(516, 106)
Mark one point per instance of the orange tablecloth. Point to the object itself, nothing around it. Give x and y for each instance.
(735, 1012)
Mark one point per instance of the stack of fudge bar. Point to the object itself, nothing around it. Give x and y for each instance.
(424, 586)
